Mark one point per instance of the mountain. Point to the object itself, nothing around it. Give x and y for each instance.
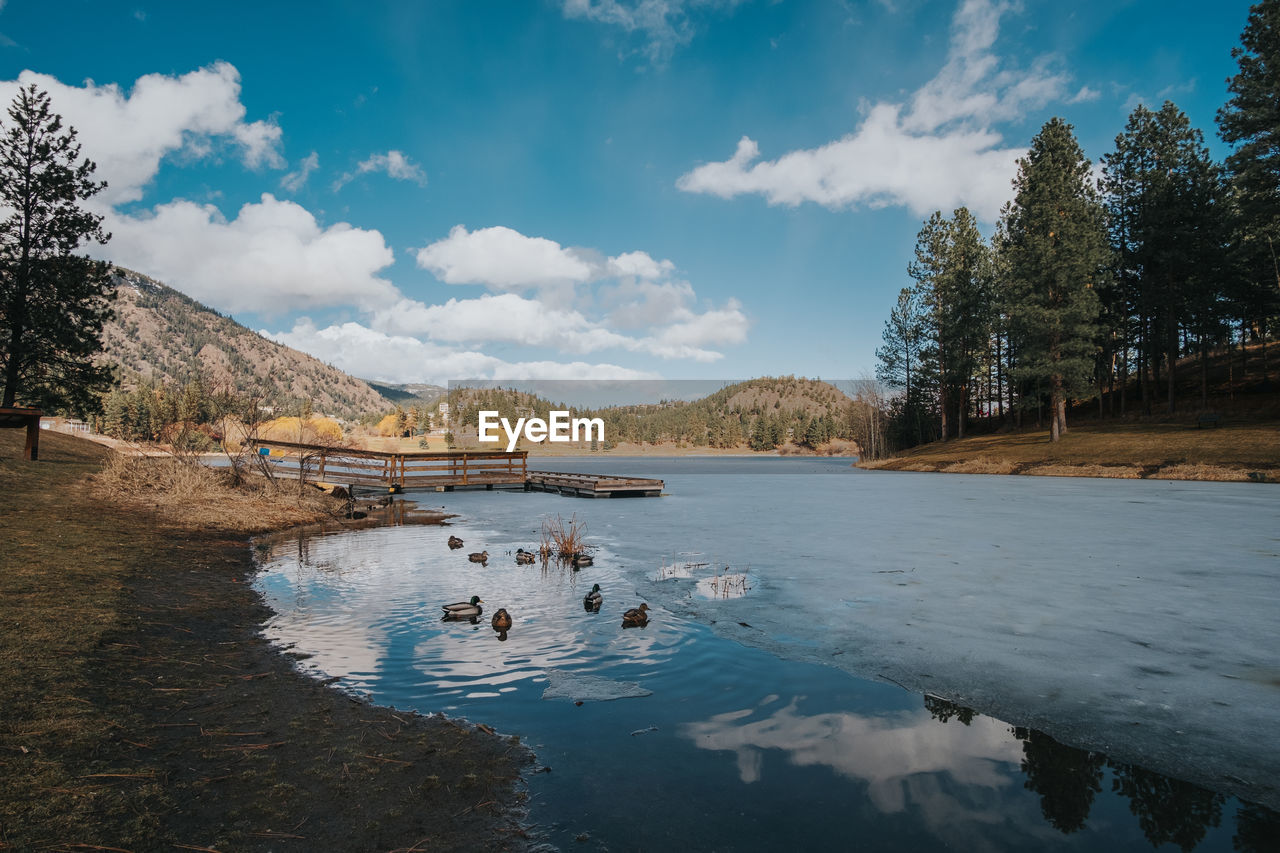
(161, 335)
(411, 393)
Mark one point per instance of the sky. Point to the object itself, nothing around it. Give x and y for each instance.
(581, 189)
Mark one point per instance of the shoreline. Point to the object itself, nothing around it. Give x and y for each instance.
(1110, 471)
(146, 709)
(1245, 451)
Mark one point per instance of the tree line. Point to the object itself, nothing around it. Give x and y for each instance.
(762, 414)
(1095, 284)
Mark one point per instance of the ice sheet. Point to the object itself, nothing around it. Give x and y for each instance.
(1139, 618)
(580, 687)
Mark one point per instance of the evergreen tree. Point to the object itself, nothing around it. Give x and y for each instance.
(1056, 250)
(52, 302)
(1164, 194)
(903, 365)
(1250, 121)
(952, 272)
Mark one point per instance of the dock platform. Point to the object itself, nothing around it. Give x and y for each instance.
(593, 485)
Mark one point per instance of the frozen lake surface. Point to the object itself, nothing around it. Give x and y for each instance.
(1117, 637)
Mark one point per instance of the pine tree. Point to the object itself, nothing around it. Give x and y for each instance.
(952, 272)
(904, 364)
(1250, 121)
(1164, 194)
(1056, 251)
(53, 302)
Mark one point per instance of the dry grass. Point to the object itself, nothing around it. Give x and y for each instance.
(1113, 472)
(1217, 473)
(181, 490)
(982, 465)
(140, 709)
(561, 540)
(1126, 450)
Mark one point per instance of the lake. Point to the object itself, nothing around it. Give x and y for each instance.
(875, 659)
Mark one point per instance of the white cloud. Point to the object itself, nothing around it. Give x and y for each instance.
(503, 317)
(294, 181)
(128, 134)
(632, 304)
(1084, 95)
(503, 258)
(394, 164)
(639, 264)
(938, 150)
(371, 354)
(511, 319)
(640, 307)
(664, 25)
(273, 257)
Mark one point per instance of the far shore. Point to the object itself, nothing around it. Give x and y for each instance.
(1232, 452)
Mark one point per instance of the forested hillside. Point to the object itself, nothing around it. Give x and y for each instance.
(759, 414)
(162, 337)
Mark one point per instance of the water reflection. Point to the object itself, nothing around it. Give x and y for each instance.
(899, 756)
(886, 751)
(1257, 829)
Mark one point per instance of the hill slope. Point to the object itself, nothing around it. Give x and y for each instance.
(761, 414)
(162, 335)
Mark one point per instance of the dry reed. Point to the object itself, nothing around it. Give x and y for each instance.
(562, 541)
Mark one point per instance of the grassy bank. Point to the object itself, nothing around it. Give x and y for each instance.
(143, 711)
(1233, 452)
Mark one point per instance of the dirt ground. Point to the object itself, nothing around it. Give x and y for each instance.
(141, 710)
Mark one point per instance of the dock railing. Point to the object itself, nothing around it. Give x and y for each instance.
(350, 466)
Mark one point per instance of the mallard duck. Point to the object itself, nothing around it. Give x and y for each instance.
(581, 561)
(523, 557)
(636, 617)
(479, 557)
(454, 543)
(502, 620)
(464, 609)
(593, 599)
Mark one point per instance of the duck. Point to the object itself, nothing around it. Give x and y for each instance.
(464, 609)
(592, 600)
(523, 557)
(636, 617)
(502, 620)
(581, 561)
(455, 543)
(481, 557)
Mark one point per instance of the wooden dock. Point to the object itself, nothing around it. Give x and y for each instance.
(593, 485)
(348, 467)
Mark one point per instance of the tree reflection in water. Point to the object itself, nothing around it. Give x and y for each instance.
(1169, 811)
(1257, 829)
(1066, 778)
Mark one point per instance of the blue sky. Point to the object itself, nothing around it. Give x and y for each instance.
(427, 191)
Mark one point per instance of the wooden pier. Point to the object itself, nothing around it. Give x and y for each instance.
(348, 467)
(593, 485)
